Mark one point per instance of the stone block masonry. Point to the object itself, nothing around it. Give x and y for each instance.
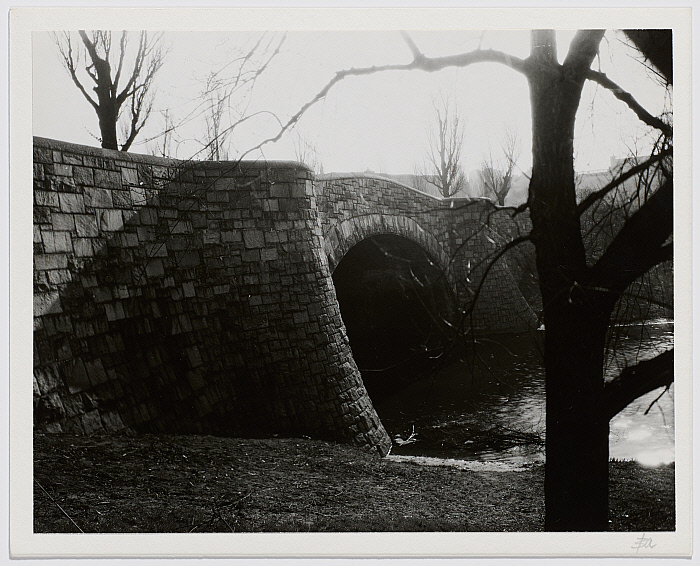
(187, 297)
(461, 236)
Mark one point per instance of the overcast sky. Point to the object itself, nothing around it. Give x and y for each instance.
(376, 122)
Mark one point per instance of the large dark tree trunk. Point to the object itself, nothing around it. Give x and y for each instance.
(576, 472)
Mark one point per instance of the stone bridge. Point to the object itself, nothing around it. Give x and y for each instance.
(206, 297)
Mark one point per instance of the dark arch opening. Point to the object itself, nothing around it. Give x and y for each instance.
(394, 301)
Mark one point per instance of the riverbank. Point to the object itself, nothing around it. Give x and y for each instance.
(164, 483)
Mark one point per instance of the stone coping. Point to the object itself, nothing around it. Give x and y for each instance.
(353, 175)
(92, 151)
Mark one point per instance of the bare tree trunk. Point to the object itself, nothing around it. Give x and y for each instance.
(576, 473)
(108, 129)
(576, 470)
(109, 95)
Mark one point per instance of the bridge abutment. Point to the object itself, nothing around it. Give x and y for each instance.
(187, 297)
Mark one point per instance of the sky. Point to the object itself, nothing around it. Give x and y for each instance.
(378, 122)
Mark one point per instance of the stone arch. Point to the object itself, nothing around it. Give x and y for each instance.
(394, 298)
(341, 236)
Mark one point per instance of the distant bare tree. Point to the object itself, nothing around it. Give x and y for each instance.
(227, 92)
(496, 176)
(216, 138)
(163, 145)
(104, 67)
(306, 152)
(445, 141)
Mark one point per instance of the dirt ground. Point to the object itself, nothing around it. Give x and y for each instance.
(162, 483)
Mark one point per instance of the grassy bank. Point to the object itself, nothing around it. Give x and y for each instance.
(160, 483)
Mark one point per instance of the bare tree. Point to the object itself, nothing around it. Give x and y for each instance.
(578, 297)
(216, 138)
(105, 67)
(306, 152)
(496, 176)
(445, 142)
(228, 90)
(163, 143)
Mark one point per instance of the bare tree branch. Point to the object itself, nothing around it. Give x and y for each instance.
(140, 110)
(620, 179)
(636, 381)
(656, 46)
(306, 152)
(91, 49)
(583, 50)
(469, 311)
(122, 52)
(639, 245)
(66, 50)
(624, 96)
(428, 64)
(412, 45)
(136, 71)
(228, 90)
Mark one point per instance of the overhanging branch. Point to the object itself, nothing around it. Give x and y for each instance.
(420, 62)
(624, 96)
(656, 46)
(635, 381)
(599, 194)
(468, 312)
(639, 245)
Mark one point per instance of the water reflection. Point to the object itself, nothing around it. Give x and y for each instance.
(644, 431)
(489, 404)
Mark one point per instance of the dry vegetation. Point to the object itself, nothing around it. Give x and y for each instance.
(159, 483)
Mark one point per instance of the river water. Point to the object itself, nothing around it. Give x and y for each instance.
(488, 404)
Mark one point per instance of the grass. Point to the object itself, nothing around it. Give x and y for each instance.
(162, 483)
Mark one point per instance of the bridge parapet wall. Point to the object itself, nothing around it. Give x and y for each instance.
(352, 208)
(186, 297)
